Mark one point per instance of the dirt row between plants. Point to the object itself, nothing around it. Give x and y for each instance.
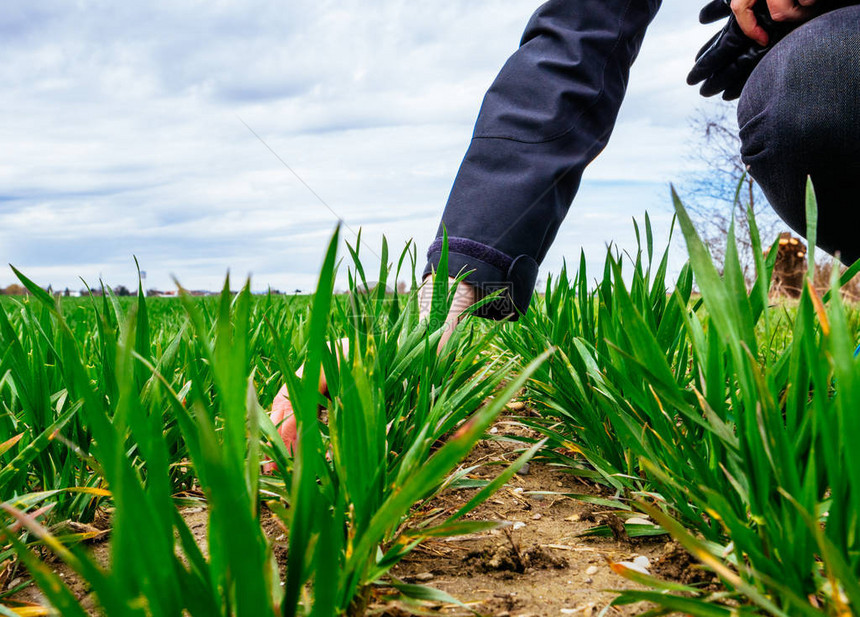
(539, 565)
(536, 566)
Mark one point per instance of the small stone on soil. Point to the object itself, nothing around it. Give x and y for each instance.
(643, 561)
(424, 576)
(585, 610)
(637, 567)
(537, 517)
(590, 570)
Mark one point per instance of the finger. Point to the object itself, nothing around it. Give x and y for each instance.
(717, 83)
(276, 416)
(787, 10)
(724, 49)
(705, 64)
(282, 414)
(743, 10)
(731, 81)
(732, 93)
(280, 406)
(714, 11)
(728, 81)
(709, 45)
(289, 432)
(806, 2)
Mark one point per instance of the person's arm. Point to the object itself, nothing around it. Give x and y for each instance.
(547, 115)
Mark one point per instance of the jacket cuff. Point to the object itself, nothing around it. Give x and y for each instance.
(489, 270)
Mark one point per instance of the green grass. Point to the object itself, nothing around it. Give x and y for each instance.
(726, 418)
(135, 413)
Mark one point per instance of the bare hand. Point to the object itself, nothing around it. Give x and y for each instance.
(283, 417)
(780, 10)
(282, 414)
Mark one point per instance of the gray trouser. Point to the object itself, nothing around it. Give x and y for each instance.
(799, 116)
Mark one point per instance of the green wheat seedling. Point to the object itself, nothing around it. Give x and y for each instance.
(186, 403)
(686, 407)
(394, 397)
(794, 545)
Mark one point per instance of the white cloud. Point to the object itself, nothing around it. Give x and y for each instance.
(123, 134)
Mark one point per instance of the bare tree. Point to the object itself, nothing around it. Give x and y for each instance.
(724, 190)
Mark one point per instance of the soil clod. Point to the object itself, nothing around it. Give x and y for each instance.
(678, 565)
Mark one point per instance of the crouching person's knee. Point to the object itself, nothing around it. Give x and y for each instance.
(799, 117)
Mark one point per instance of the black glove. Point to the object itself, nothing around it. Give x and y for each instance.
(726, 61)
(715, 11)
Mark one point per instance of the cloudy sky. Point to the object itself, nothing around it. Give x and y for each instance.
(124, 132)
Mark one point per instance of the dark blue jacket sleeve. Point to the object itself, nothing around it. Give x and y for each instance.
(548, 114)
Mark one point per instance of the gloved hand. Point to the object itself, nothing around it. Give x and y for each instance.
(726, 61)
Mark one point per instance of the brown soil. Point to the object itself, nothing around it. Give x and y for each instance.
(676, 564)
(99, 548)
(535, 566)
